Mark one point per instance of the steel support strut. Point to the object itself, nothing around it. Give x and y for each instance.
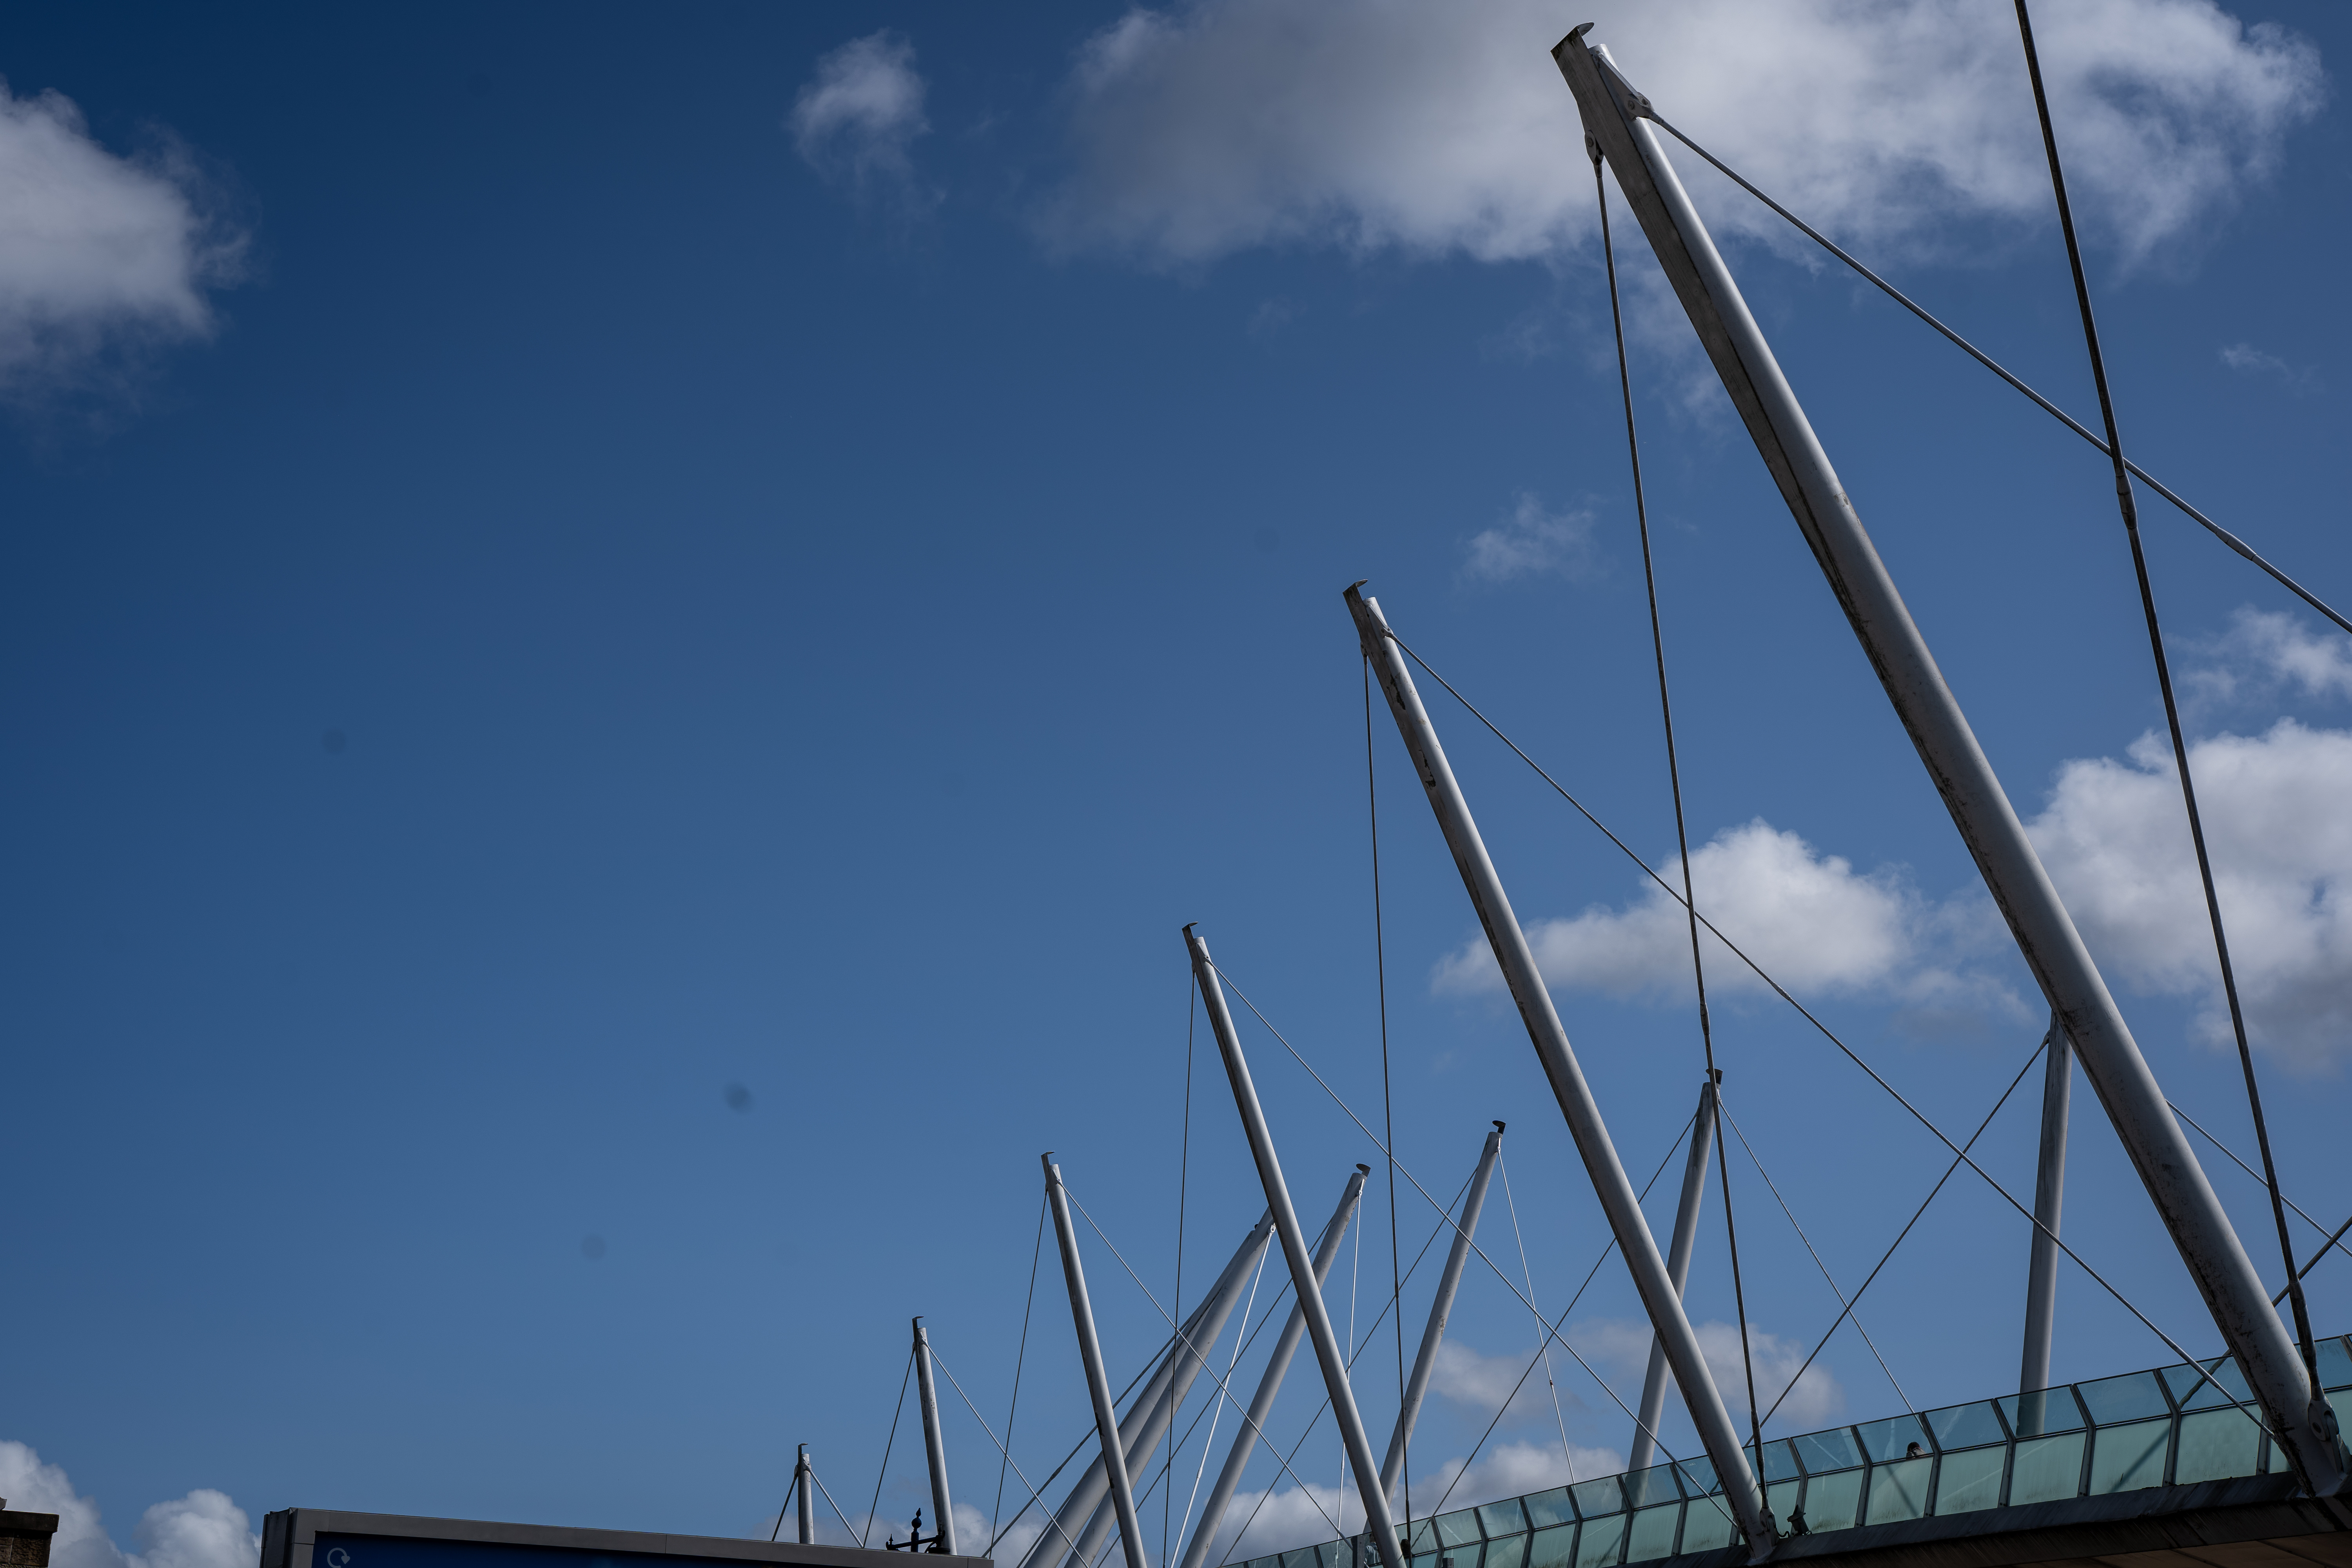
(2049, 1200)
(1082, 1317)
(1614, 117)
(935, 1448)
(1609, 1183)
(1261, 1405)
(1441, 1307)
(1378, 1523)
(1644, 1451)
(804, 1478)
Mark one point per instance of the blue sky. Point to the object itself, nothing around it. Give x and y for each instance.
(627, 634)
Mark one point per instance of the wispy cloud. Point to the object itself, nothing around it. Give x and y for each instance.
(103, 258)
(2248, 360)
(1530, 543)
(857, 118)
(201, 1529)
(1213, 126)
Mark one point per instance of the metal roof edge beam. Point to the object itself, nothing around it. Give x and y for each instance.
(1378, 1523)
(1261, 1405)
(1607, 1172)
(1441, 1307)
(1612, 114)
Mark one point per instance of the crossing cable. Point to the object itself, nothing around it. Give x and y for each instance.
(1802, 1011)
(2298, 1208)
(1675, 778)
(1001, 1449)
(1388, 1112)
(1847, 1309)
(1020, 1358)
(1543, 1343)
(1217, 1408)
(2337, 1235)
(1978, 355)
(1528, 1370)
(1824, 1268)
(1446, 1218)
(885, 1470)
(2129, 508)
(835, 1506)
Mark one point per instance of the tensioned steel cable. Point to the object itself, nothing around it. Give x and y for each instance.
(1543, 1342)
(885, 1470)
(2334, 1237)
(1528, 1370)
(1675, 778)
(1778, 989)
(2129, 508)
(1978, 355)
(2298, 1208)
(1829, 1278)
(1020, 1358)
(1001, 1449)
(1388, 1113)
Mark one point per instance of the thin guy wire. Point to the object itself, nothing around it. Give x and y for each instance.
(1388, 1113)
(1543, 1343)
(1674, 779)
(885, 1470)
(2257, 1175)
(2068, 420)
(1001, 1449)
(1781, 991)
(789, 1490)
(1217, 1407)
(1445, 1216)
(2129, 508)
(1528, 1370)
(2315, 1257)
(1020, 1358)
(837, 1508)
(1824, 1268)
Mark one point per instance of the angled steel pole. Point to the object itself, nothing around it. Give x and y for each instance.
(1261, 1404)
(1376, 1520)
(1424, 1361)
(1613, 116)
(935, 1448)
(1082, 1317)
(1609, 1183)
(801, 1473)
(1158, 1412)
(1087, 1493)
(1644, 1451)
(2049, 1199)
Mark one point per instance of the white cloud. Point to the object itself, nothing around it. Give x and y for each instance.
(201, 1529)
(1532, 541)
(2281, 649)
(2278, 823)
(1481, 1382)
(1811, 920)
(1217, 125)
(1624, 1348)
(100, 256)
(856, 119)
(2248, 360)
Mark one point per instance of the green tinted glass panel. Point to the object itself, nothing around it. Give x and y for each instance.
(2046, 1468)
(1424, 1536)
(2038, 1414)
(2218, 1442)
(1699, 1475)
(1970, 1479)
(1511, 1552)
(1824, 1451)
(1548, 1508)
(1708, 1524)
(1599, 1497)
(1782, 1498)
(2335, 1364)
(1646, 1488)
(1602, 1543)
(1459, 1528)
(1966, 1425)
(1425, 1560)
(2134, 1397)
(1502, 1518)
(1652, 1532)
(1893, 1439)
(1833, 1503)
(1899, 1490)
(1305, 1557)
(2126, 1459)
(2218, 1381)
(1336, 1555)
(1553, 1547)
